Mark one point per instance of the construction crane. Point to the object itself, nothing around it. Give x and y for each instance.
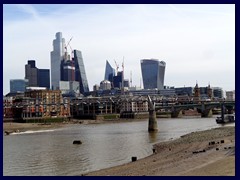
(68, 44)
(117, 66)
(71, 58)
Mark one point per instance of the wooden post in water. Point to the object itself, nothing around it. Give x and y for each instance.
(152, 123)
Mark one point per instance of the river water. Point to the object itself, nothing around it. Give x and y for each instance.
(52, 152)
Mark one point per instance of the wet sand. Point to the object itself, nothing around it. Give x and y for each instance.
(21, 127)
(190, 155)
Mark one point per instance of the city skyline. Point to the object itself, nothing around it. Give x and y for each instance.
(197, 42)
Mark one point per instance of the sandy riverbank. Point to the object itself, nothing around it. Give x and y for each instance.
(12, 126)
(21, 127)
(179, 158)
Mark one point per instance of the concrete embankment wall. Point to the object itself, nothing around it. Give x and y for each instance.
(37, 120)
(134, 115)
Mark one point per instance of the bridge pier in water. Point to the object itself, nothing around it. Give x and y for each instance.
(207, 113)
(176, 113)
(152, 123)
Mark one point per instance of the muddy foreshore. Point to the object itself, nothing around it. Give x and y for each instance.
(204, 153)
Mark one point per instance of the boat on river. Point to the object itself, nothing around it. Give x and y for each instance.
(227, 118)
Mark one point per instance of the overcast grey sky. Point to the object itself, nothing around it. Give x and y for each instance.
(197, 42)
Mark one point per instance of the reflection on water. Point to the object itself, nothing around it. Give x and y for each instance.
(152, 136)
(104, 145)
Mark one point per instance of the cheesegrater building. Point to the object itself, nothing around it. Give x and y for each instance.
(80, 74)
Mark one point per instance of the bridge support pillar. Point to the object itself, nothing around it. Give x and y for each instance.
(230, 110)
(207, 113)
(152, 123)
(175, 114)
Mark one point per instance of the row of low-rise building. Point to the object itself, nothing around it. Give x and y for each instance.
(51, 103)
(36, 103)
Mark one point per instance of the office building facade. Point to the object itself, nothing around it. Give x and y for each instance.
(70, 88)
(31, 73)
(57, 55)
(230, 95)
(80, 74)
(67, 70)
(36, 77)
(153, 72)
(109, 72)
(184, 91)
(217, 92)
(44, 78)
(118, 80)
(18, 85)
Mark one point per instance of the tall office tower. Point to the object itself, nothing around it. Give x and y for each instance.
(109, 72)
(153, 72)
(18, 85)
(44, 78)
(67, 70)
(57, 55)
(118, 80)
(80, 74)
(31, 73)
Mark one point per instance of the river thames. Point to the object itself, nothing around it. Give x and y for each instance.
(52, 152)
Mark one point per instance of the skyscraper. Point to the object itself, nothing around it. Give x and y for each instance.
(67, 70)
(109, 72)
(153, 72)
(36, 77)
(118, 80)
(31, 73)
(80, 74)
(44, 78)
(57, 56)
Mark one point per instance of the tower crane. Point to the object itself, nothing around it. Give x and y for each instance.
(66, 46)
(71, 58)
(117, 66)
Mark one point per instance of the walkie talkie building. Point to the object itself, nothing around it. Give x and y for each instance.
(153, 72)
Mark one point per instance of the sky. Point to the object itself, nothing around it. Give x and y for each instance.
(197, 41)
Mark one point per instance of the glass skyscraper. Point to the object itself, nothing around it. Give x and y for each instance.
(109, 72)
(44, 78)
(67, 70)
(80, 74)
(153, 72)
(18, 85)
(57, 56)
(118, 80)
